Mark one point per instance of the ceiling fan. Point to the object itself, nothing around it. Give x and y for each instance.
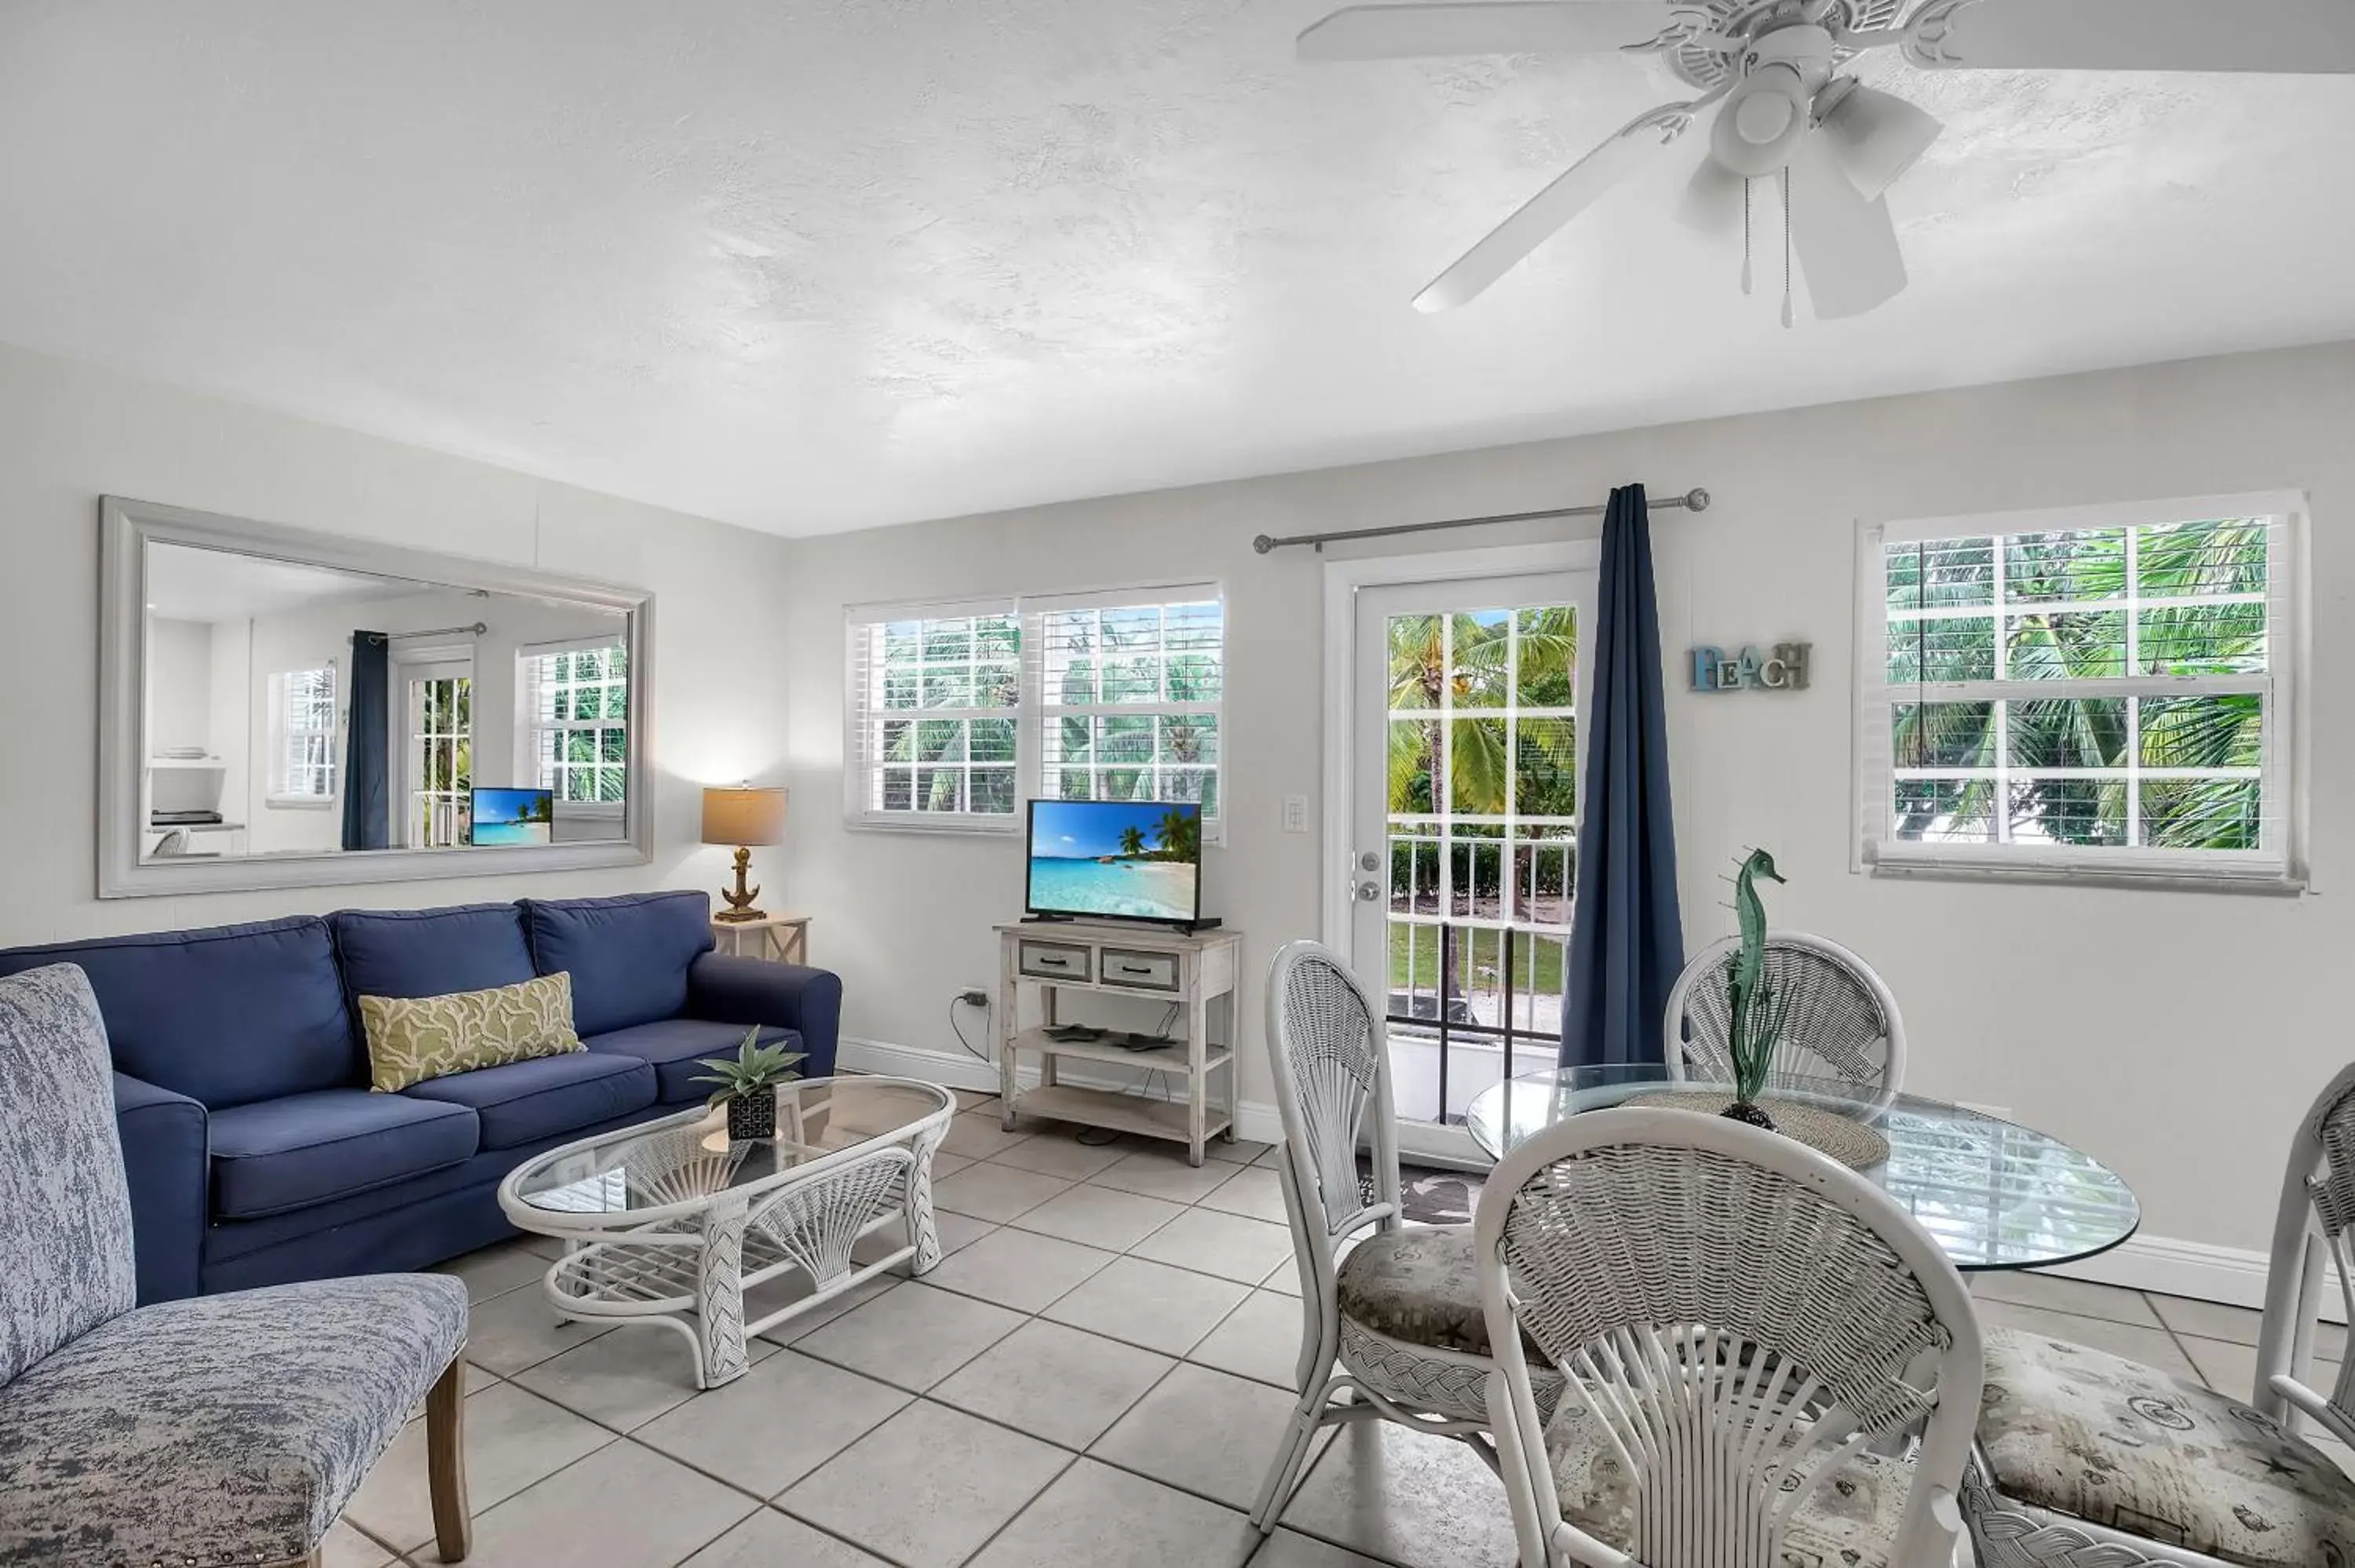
(1772, 71)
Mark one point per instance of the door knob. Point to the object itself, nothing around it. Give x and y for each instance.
(1367, 892)
(1369, 860)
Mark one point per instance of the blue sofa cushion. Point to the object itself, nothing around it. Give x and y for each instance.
(224, 1016)
(628, 956)
(677, 1046)
(276, 1155)
(523, 1102)
(431, 952)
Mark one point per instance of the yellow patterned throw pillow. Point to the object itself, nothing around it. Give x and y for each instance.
(411, 1039)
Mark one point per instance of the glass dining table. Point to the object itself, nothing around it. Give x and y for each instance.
(1995, 1195)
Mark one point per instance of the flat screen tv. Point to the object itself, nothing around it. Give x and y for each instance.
(513, 817)
(1116, 860)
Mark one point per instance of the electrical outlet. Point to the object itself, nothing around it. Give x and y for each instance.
(973, 996)
(1296, 813)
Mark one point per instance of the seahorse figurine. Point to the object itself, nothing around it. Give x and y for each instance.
(1757, 1014)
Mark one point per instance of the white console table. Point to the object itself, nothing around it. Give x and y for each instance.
(1197, 974)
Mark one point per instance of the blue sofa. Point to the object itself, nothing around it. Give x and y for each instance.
(256, 1151)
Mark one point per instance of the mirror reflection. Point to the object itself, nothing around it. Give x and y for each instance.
(292, 709)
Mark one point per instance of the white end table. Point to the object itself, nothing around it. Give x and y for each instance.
(784, 937)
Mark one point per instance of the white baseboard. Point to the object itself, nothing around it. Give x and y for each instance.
(2203, 1271)
(2233, 1276)
(962, 1070)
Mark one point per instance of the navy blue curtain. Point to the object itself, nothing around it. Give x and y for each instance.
(1626, 942)
(367, 781)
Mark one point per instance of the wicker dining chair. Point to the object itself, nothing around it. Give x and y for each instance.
(2089, 1460)
(1752, 1334)
(1842, 1026)
(1393, 1330)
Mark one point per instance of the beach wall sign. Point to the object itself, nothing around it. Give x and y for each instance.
(1783, 669)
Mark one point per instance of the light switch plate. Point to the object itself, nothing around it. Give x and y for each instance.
(1296, 813)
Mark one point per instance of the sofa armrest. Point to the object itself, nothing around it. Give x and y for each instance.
(166, 1163)
(726, 988)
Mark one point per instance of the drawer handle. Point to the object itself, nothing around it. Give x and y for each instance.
(1135, 970)
(1052, 963)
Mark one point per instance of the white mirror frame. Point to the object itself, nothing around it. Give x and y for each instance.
(126, 529)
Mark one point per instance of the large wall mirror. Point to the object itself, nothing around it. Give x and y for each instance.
(282, 708)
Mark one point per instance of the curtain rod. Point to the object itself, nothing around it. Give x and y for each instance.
(1690, 500)
(478, 629)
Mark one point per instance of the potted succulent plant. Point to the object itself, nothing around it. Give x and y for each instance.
(1758, 1011)
(748, 1085)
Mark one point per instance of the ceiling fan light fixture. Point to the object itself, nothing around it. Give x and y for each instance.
(1877, 135)
(1763, 119)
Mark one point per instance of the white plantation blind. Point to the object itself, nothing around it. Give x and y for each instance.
(2103, 693)
(1129, 690)
(931, 714)
(302, 711)
(574, 701)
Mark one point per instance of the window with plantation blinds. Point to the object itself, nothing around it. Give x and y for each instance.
(2103, 693)
(957, 712)
(302, 752)
(574, 734)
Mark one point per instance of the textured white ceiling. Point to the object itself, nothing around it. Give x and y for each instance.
(817, 264)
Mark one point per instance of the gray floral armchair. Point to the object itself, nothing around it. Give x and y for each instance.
(223, 1429)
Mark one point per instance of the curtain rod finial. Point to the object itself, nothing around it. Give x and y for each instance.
(1264, 544)
(1697, 500)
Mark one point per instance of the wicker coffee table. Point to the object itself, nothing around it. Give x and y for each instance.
(669, 1222)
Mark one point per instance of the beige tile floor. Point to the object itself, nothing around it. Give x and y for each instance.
(1093, 1378)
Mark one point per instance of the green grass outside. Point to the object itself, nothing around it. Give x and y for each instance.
(1482, 946)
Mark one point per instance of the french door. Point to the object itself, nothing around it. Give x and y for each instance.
(1463, 827)
(436, 738)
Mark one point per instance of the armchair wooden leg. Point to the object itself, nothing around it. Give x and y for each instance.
(445, 1463)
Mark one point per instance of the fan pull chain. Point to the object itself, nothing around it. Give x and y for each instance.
(1746, 239)
(1790, 316)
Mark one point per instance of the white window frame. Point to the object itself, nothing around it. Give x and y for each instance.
(530, 726)
(1043, 712)
(862, 701)
(281, 795)
(863, 710)
(2278, 868)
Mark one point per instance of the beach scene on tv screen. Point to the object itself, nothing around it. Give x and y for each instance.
(1115, 857)
(513, 816)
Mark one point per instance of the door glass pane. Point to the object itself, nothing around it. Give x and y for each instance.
(1481, 786)
(1482, 666)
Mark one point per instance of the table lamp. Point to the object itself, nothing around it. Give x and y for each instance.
(743, 816)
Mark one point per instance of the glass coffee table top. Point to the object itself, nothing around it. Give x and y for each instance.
(1994, 1194)
(687, 1159)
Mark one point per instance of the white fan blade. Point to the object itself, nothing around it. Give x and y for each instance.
(1711, 202)
(1847, 246)
(1484, 28)
(2298, 36)
(1585, 183)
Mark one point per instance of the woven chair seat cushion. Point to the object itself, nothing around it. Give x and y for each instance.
(1417, 1285)
(220, 1429)
(1849, 1522)
(2096, 1437)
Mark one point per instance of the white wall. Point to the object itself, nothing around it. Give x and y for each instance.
(179, 684)
(2177, 1036)
(70, 433)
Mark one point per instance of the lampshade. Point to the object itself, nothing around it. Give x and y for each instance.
(1878, 136)
(743, 816)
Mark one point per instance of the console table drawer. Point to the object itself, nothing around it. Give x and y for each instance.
(1053, 960)
(1139, 971)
